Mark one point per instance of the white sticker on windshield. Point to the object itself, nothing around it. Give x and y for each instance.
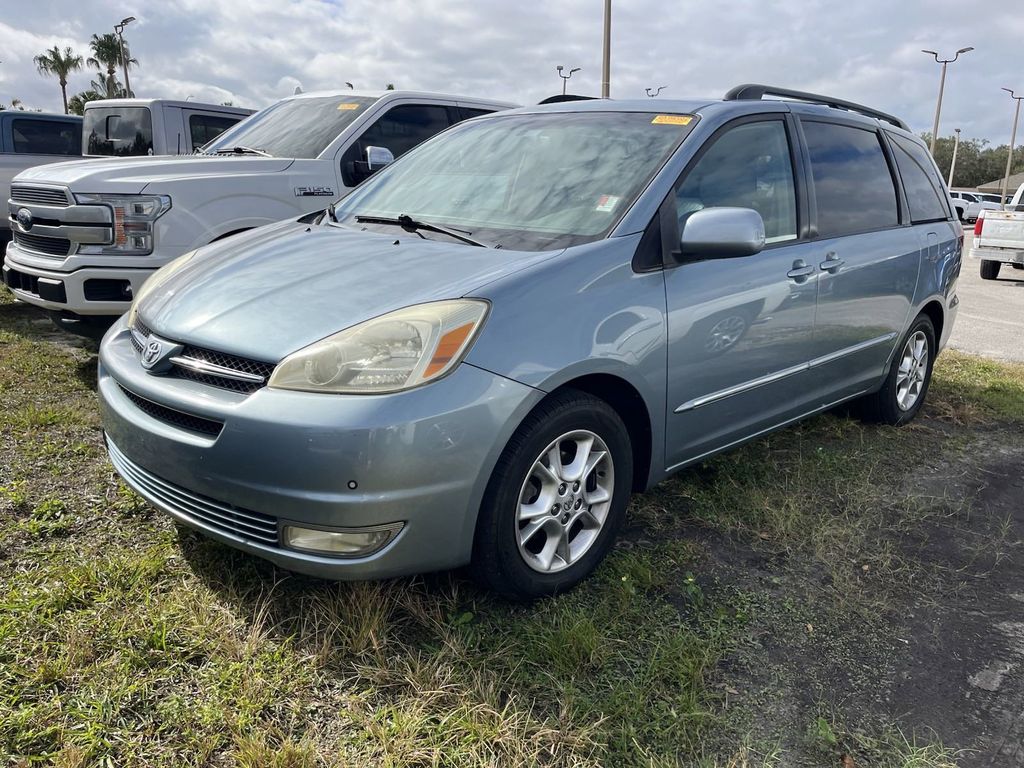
(607, 203)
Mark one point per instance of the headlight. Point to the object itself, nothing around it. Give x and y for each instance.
(397, 351)
(134, 216)
(154, 282)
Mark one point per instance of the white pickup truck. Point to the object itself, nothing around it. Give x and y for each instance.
(999, 237)
(87, 234)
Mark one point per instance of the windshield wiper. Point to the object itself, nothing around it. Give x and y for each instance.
(240, 150)
(410, 224)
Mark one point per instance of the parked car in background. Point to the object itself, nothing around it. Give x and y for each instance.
(136, 127)
(477, 355)
(28, 139)
(115, 221)
(975, 204)
(961, 200)
(999, 237)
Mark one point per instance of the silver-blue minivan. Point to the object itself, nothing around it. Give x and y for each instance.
(477, 356)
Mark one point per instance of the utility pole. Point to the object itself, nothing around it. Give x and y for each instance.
(606, 60)
(118, 29)
(565, 78)
(952, 165)
(942, 85)
(1013, 139)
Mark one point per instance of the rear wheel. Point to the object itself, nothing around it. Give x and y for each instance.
(906, 384)
(556, 499)
(989, 269)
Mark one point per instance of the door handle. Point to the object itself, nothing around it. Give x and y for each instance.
(800, 271)
(831, 264)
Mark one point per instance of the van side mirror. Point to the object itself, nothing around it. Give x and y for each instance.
(377, 158)
(721, 233)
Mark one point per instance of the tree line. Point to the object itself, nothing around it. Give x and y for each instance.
(977, 163)
(108, 55)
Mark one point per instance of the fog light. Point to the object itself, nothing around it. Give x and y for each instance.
(353, 542)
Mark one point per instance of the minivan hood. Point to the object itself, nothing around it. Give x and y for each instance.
(272, 291)
(130, 175)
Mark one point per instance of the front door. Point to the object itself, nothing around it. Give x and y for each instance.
(739, 329)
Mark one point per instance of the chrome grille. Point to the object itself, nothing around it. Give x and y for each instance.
(243, 523)
(51, 246)
(241, 365)
(180, 419)
(39, 195)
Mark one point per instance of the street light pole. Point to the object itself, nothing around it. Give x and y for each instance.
(606, 59)
(942, 86)
(565, 78)
(1013, 139)
(952, 165)
(118, 29)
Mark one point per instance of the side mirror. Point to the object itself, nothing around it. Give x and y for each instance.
(377, 158)
(721, 233)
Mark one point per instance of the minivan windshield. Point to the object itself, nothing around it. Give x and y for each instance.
(527, 182)
(294, 128)
(117, 131)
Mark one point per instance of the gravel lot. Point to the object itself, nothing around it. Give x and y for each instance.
(991, 318)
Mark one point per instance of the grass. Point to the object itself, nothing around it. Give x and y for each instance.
(125, 641)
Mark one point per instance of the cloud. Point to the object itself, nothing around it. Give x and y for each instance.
(256, 51)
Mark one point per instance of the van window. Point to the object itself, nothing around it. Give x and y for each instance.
(118, 131)
(204, 128)
(853, 185)
(400, 129)
(749, 166)
(46, 137)
(923, 187)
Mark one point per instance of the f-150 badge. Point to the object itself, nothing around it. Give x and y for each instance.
(314, 191)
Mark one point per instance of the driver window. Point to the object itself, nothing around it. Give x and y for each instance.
(748, 166)
(400, 129)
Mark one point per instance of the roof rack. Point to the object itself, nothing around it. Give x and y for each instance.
(753, 91)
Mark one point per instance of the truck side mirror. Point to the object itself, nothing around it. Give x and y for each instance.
(377, 158)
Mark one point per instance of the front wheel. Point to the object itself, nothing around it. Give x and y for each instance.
(906, 384)
(556, 498)
(990, 269)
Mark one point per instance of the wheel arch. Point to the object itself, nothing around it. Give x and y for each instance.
(937, 314)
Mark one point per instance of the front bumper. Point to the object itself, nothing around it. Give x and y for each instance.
(85, 290)
(422, 458)
(1003, 255)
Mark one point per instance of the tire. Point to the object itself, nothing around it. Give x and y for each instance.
(990, 269)
(513, 542)
(889, 405)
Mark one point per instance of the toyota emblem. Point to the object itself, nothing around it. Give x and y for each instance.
(24, 217)
(151, 354)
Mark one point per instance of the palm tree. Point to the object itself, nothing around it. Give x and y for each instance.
(106, 53)
(60, 65)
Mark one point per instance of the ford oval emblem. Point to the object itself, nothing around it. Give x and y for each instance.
(24, 218)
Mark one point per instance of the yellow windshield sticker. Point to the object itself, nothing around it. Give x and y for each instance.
(348, 105)
(672, 120)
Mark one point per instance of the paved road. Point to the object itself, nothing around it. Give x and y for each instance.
(991, 317)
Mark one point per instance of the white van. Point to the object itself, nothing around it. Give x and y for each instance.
(134, 127)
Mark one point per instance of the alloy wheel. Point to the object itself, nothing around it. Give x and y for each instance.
(910, 376)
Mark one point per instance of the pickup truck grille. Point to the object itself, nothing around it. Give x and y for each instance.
(216, 369)
(39, 195)
(55, 226)
(51, 246)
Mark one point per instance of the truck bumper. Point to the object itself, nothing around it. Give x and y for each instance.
(1002, 255)
(89, 291)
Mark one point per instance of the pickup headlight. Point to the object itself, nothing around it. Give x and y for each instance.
(154, 282)
(390, 353)
(134, 216)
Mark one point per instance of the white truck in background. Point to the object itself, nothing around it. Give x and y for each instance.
(999, 237)
(135, 127)
(87, 234)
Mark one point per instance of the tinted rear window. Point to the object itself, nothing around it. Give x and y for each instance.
(204, 128)
(853, 185)
(118, 131)
(921, 182)
(46, 137)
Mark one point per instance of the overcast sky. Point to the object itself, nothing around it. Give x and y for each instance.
(253, 52)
